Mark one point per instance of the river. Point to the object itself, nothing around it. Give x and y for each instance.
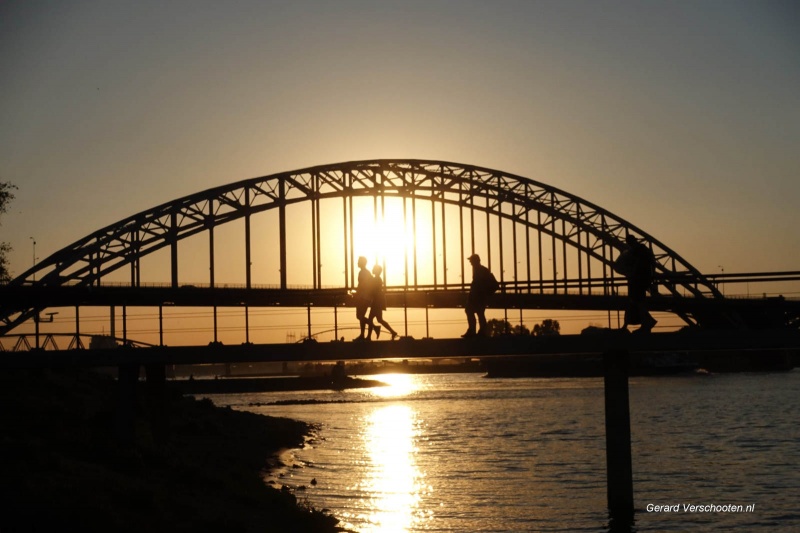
(460, 452)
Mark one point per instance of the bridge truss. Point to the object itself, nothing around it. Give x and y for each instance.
(536, 238)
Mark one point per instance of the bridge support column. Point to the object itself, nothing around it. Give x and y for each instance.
(247, 324)
(308, 307)
(127, 380)
(173, 235)
(36, 326)
(157, 401)
(618, 437)
(215, 325)
(427, 324)
(282, 230)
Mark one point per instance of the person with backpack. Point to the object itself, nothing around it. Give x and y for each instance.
(483, 285)
(637, 264)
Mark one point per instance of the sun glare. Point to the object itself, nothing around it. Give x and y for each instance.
(397, 385)
(386, 236)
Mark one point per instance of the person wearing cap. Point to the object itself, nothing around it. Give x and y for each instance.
(639, 271)
(483, 285)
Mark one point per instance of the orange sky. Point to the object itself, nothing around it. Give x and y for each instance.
(682, 118)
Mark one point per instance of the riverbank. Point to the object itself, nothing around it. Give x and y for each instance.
(238, 385)
(645, 364)
(202, 470)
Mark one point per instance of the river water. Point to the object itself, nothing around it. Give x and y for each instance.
(460, 452)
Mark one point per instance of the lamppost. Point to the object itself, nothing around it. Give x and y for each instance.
(722, 283)
(34, 257)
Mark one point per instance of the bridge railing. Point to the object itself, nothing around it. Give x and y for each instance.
(606, 284)
(24, 342)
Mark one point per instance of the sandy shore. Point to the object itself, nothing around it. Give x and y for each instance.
(200, 469)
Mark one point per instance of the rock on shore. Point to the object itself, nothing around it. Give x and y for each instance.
(199, 470)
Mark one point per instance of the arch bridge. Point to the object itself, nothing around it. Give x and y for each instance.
(297, 235)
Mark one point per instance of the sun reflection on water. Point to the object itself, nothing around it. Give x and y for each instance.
(394, 482)
(397, 385)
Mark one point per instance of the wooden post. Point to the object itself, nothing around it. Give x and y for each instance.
(618, 437)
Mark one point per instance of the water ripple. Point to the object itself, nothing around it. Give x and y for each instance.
(462, 453)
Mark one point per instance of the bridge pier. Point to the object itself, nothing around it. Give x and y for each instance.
(247, 324)
(335, 323)
(216, 339)
(155, 401)
(127, 381)
(618, 438)
(36, 327)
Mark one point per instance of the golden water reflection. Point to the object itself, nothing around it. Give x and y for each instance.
(397, 385)
(394, 481)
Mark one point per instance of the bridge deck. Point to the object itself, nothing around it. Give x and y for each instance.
(190, 296)
(717, 340)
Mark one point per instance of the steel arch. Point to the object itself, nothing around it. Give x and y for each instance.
(590, 229)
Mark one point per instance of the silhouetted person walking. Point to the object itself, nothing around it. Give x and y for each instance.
(378, 306)
(483, 286)
(637, 264)
(363, 295)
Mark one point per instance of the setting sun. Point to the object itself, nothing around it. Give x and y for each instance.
(388, 236)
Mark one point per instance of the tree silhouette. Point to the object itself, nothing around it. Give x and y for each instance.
(547, 327)
(503, 327)
(6, 195)
(521, 329)
(498, 327)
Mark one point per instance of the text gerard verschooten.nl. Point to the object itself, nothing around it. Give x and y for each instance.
(700, 508)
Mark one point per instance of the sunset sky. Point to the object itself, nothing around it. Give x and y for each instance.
(680, 117)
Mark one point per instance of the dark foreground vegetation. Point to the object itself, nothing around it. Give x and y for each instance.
(199, 469)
